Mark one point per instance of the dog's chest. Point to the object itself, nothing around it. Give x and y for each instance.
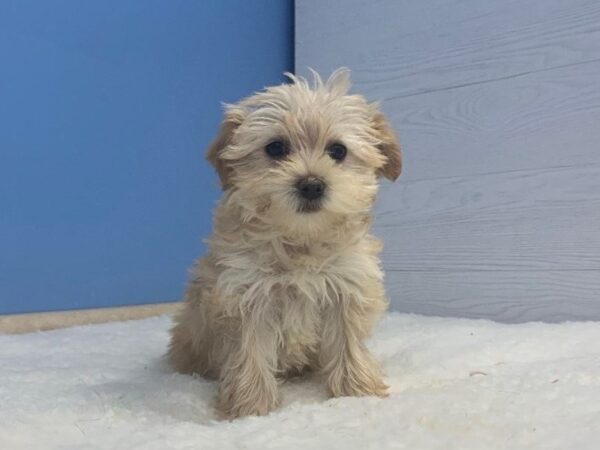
(298, 281)
(299, 321)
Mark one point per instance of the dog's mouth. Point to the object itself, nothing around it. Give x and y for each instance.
(309, 206)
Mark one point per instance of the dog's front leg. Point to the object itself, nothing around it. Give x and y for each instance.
(247, 384)
(348, 365)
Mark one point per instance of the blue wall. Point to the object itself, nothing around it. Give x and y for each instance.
(105, 110)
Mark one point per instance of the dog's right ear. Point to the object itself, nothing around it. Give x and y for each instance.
(228, 127)
(388, 146)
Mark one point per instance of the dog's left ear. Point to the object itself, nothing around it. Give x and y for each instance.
(388, 146)
(213, 154)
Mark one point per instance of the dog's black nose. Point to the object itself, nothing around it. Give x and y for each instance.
(311, 188)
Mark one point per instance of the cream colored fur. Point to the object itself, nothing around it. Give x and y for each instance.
(280, 291)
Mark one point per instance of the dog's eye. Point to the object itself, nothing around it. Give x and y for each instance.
(276, 149)
(337, 151)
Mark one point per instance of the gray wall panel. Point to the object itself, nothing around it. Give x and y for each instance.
(497, 104)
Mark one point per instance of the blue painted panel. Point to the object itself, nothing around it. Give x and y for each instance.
(105, 111)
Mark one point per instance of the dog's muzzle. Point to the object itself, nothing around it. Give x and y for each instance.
(311, 191)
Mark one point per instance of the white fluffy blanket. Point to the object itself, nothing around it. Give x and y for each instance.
(455, 384)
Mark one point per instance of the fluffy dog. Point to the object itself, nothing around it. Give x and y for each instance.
(292, 281)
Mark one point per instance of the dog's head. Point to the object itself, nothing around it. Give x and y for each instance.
(303, 157)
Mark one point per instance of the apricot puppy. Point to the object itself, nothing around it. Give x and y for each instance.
(291, 281)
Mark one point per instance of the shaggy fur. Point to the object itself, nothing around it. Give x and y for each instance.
(282, 290)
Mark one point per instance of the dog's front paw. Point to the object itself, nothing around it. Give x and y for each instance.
(238, 400)
(351, 381)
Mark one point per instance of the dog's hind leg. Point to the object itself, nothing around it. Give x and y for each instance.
(190, 343)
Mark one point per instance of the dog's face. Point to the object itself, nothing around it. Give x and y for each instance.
(304, 158)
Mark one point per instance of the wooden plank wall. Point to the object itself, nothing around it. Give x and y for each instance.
(497, 104)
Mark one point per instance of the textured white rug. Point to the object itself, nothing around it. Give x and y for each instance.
(456, 384)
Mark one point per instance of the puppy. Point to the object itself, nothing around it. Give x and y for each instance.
(291, 281)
